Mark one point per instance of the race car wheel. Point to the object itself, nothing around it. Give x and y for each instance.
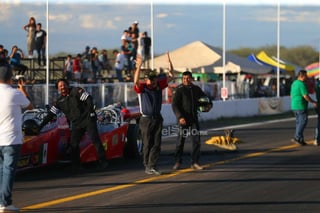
(133, 147)
(30, 127)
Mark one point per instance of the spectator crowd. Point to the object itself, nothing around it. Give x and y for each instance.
(89, 65)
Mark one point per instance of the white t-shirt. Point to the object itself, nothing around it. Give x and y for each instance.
(120, 61)
(68, 65)
(11, 115)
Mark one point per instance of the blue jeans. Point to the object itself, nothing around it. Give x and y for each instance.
(9, 156)
(119, 75)
(317, 135)
(41, 56)
(301, 123)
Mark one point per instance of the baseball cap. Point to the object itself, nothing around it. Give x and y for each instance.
(151, 75)
(136, 22)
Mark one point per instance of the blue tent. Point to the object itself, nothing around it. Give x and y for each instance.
(253, 58)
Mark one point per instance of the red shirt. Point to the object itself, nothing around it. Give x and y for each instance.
(150, 99)
(76, 67)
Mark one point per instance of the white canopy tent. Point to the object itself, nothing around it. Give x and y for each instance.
(229, 68)
(201, 57)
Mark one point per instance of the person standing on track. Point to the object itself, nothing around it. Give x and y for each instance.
(11, 137)
(78, 107)
(150, 101)
(185, 104)
(317, 135)
(299, 106)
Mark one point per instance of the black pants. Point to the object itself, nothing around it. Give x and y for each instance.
(150, 129)
(76, 135)
(192, 131)
(41, 56)
(20, 69)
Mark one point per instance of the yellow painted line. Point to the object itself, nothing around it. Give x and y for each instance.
(252, 155)
(76, 197)
(150, 179)
(97, 192)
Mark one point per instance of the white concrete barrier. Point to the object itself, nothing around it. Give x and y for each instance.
(236, 108)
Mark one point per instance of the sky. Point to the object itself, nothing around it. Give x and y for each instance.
(72, 25)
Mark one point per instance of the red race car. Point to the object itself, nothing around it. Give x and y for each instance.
(118, 128)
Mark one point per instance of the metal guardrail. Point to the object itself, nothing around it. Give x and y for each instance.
(122, 92)
(105, 92)
(38, 74)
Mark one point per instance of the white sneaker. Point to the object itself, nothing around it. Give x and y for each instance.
(19, 77)
(10, 208)
(196, 166)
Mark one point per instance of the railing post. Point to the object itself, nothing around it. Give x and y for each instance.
(126, 95)
(103, 95)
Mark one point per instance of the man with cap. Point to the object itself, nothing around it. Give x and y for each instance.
(11, 137)
(133, 29)
(150, 101)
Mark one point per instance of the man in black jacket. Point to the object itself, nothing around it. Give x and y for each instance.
(185, 107)
(78, 107)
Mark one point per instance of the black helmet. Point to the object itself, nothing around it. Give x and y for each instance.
(30, 127)
(204, 104)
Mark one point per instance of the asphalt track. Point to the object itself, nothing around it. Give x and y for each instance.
(268, 173)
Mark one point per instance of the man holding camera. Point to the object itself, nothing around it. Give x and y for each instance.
(11, 137)
(15, 61)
